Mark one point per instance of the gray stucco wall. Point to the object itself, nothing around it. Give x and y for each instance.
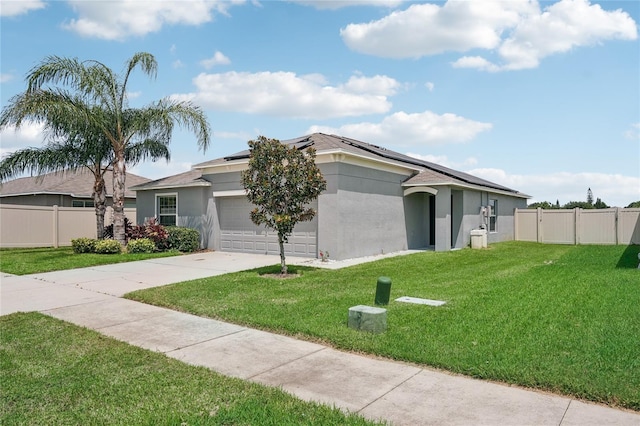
(361, 213)
(473, 218)
(192, 208)
(418, 221)
(453, 227)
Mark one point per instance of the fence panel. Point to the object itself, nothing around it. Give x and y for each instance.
(629, 226)
(578, 226)
(597, 226)
(558, 227)
(526, 225)
(46, 226)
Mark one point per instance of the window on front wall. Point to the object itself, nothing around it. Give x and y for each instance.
(82, 203)
(167, 209)
(493, 216)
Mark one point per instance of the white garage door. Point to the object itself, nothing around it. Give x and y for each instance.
(238, 233)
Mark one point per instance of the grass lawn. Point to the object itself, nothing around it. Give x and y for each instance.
(555, 317)
(80, 377)
(22, 261)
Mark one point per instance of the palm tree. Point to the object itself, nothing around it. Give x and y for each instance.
(70, 146)
(90, 90)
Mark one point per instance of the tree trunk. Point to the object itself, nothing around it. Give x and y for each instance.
(119, 177)
(283, 265)
(100, 204)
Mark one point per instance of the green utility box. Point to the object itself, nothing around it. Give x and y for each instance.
(383, 291)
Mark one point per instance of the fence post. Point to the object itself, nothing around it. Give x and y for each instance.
(539, 227)
(576, 222)
(56, 221)
(617, 227)
(515, 224)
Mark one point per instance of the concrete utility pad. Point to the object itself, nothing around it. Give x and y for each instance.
(246, 353)
(419, 301)
(434, 398)
(332, 377)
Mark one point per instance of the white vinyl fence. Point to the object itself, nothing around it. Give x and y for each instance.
(46, 226)
(578, 226)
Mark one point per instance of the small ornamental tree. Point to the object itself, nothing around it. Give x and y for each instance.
(281, 181)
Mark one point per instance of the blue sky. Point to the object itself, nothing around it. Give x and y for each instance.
(543, 97)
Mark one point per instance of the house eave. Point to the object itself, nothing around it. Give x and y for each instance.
(171, 186)
(70, 194)
(468, 186)
(322, 157)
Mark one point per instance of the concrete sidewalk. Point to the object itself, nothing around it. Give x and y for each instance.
(378, 389)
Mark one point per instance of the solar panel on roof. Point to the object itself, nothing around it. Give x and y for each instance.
(465, 177)
(298, 144)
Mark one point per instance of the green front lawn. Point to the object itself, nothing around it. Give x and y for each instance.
(560, 318)
(55, 373)
(22, 261)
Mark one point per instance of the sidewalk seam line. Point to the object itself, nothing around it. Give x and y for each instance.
(565, 412)
(391, 390)
(204, 341)
(286, 363)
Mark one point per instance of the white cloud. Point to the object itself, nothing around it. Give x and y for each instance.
(19, 7)
(428, 29)
(217, 59)
(444, 160)
(430, 86)
(159, 169)
(5, 77)
(29, 135)
(376, 85)
(614, 189)
(417, 129)
(475, 62)
(634, 132)
(119, 19)
(286, 94)
(518, 31)
(177, 64)
(338, 4)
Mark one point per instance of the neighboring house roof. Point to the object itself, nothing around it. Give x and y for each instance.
(78, 184)
(182, 180)
(424, 172)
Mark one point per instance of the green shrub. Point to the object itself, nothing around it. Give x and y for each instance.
(84, 245)
(141, 245)
(183, 239)
(108, 247)
(152, 230)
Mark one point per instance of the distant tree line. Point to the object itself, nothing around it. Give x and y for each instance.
(588, 204)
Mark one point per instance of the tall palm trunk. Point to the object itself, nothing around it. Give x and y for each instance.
(100, 204)
(119, 177)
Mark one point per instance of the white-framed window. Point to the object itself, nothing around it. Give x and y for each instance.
(167, 209)
(82, 203)
(493, 215)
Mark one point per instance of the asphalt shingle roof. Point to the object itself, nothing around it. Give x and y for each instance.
(75, 183)
(190, 178)
(429, 173)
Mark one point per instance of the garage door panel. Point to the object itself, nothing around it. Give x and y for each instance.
(239, 233)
